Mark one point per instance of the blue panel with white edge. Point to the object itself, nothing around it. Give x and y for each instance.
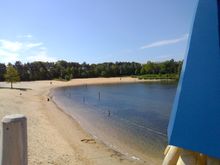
(195, 118)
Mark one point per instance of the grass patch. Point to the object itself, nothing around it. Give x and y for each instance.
(158, 76)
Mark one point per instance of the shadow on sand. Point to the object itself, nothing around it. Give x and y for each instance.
(21, 89)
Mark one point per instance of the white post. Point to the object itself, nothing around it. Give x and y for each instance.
(14, 140)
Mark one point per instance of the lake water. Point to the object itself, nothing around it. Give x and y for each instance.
(131, 118)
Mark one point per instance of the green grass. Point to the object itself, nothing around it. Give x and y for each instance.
(159, 76)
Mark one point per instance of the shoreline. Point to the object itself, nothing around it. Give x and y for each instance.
(80, 147)
(93, 139)
(125, 150)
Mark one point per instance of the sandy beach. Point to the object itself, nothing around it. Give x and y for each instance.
(53, 136)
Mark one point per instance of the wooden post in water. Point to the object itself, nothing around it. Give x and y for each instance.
(14, 140)
(84, 99)
(99, 96)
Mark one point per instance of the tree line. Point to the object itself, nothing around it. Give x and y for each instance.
(68, 70)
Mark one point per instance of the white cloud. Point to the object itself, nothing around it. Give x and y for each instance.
(40, 56)
(23, 50)
(28, 36)
(15, 46)
(6, 56)
(165, 42)
(11, 45)
(43, 48)
(32, 45)
(25, 36)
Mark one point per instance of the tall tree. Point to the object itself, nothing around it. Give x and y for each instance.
(11, 75)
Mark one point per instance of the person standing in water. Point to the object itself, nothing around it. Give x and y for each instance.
(109, 113)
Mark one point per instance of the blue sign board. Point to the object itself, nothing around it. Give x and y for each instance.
(195, 118)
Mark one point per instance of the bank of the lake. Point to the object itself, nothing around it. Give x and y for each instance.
(131, 118)
(53, 136)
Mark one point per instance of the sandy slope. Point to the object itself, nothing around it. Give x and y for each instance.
(54, 137)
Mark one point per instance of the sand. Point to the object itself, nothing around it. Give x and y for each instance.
(53, 136)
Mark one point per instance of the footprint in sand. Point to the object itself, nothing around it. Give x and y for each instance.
(89, 141)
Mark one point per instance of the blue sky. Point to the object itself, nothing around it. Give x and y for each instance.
(94, 31)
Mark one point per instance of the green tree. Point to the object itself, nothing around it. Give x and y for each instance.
(69, 73)
(11, 75)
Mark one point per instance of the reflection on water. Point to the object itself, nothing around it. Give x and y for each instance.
(133, 118)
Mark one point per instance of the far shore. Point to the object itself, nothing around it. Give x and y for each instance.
(53, 136)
